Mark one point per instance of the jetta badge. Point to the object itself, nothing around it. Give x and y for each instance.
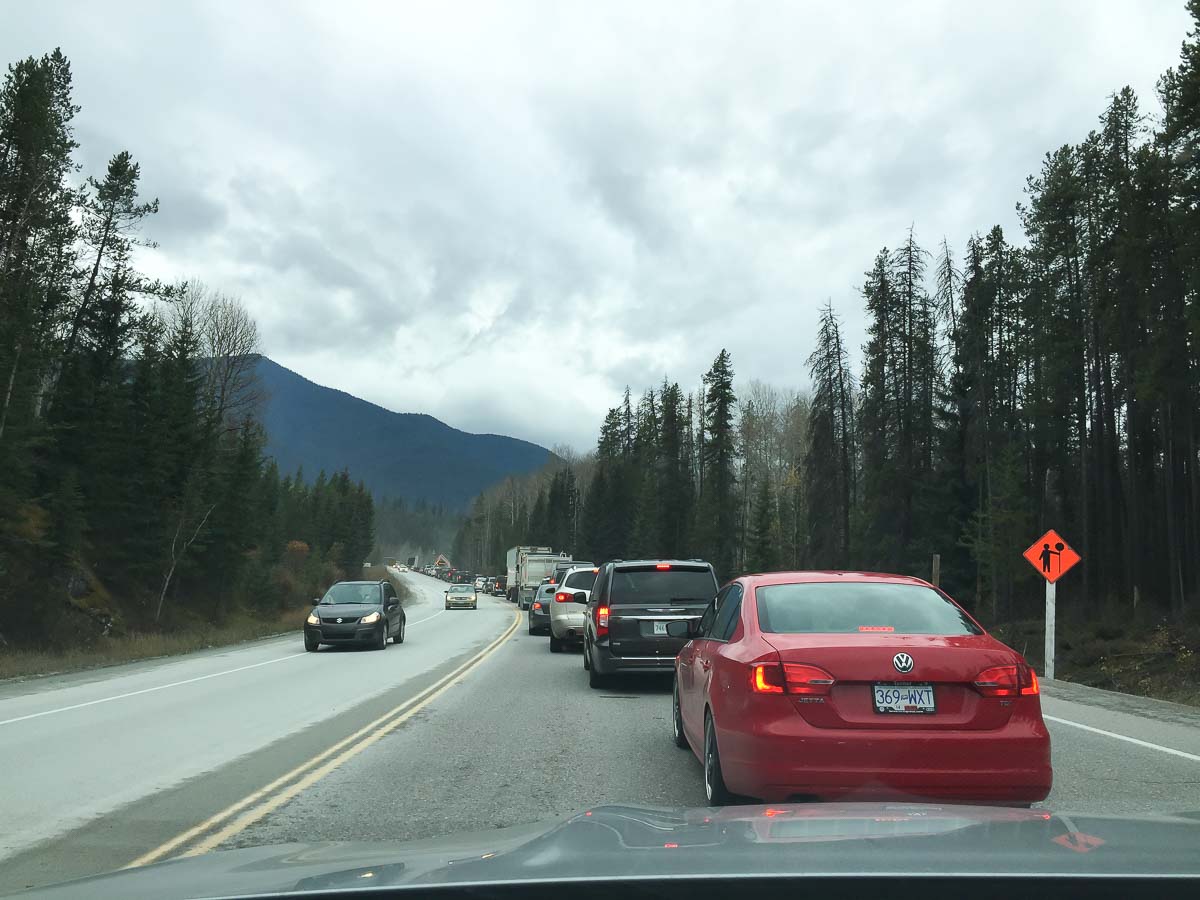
(903, 662)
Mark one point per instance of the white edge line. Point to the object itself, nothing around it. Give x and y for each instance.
(1120, 737)
(163, 687)
(149, 690)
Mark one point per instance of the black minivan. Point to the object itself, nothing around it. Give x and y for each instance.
(630, 607)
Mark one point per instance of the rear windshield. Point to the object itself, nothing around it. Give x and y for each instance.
(648, 585)
(856, 607)
(580, 581)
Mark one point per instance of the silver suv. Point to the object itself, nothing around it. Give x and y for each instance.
(568, 618)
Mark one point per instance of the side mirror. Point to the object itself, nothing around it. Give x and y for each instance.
(580, 597)
(683, 628)
(316, 600)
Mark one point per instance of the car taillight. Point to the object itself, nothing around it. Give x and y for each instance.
(663, 567)
(790, 678)
(1007, 681)
(563, 597)
(766, 678)
(809, 680)
(601, 621)
(537, 604)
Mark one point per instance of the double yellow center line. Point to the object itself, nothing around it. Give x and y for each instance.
(219, 828)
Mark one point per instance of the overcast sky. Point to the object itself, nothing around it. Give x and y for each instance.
(501, 214)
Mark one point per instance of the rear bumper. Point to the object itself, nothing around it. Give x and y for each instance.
(780, 758)
(343, 634)
(539, 623)
(568, 628)
(606, 663)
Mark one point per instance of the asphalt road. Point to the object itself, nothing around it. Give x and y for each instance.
(469, 725)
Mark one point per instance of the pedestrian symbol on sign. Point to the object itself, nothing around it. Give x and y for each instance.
(1051, 556)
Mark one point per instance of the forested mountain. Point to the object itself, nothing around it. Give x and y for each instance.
(1051, 380)
(407, 455)
(133, 488)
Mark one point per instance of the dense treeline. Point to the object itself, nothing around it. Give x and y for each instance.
(132, 486)
(1053, 381)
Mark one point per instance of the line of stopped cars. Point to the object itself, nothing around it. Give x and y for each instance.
(813, 685)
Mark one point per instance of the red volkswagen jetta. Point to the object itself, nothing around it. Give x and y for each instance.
(854, 685)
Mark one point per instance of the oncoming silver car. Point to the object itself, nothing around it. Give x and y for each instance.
(461, 596)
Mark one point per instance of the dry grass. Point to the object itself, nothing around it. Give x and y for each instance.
(1149, 658)
(128, 648)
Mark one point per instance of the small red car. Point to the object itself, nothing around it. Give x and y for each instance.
(855, 686)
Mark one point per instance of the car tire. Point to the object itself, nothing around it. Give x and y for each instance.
(447, 606)
(399, 638)
(530, 628)
(596, 681)
(677, 734)
(311, 645)
(587, 657)
(714, 781)
(381, 641)
(556, 646)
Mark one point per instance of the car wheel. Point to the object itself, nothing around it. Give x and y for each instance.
(714, 781)
(530, 628)
(556, 645)
(447, 606)
(381, 641)
(311, 645)
(677, 720)
(400, 634)
(595, 679)
(587, 656)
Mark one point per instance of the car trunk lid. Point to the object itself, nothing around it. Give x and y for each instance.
(860, 662)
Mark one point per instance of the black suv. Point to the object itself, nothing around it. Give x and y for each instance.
(629, 609)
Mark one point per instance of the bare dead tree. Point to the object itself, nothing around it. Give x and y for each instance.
(178, 552)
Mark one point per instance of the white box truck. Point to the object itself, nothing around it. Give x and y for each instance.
(516, 562)
(537, 567)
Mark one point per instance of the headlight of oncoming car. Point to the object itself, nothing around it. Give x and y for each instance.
(312, 618)
(368, 619)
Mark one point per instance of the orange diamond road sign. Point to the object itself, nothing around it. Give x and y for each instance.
(1051, 556)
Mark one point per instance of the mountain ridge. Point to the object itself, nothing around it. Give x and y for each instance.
(411, 455)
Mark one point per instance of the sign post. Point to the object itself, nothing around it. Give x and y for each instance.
(1052, 558)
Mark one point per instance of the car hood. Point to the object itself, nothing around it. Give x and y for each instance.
(637, 842)
(347, 610)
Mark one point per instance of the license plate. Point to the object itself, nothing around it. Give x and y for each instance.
(904, 698)
(660, 628)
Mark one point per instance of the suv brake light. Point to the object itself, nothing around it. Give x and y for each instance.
(601, 621)
(563, 597)
(663, 567)
(1007, 681)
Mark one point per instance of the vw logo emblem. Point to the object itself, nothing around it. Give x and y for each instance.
(903, 662)
(339, 621)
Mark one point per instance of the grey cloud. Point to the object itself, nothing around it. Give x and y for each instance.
(641, 185)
